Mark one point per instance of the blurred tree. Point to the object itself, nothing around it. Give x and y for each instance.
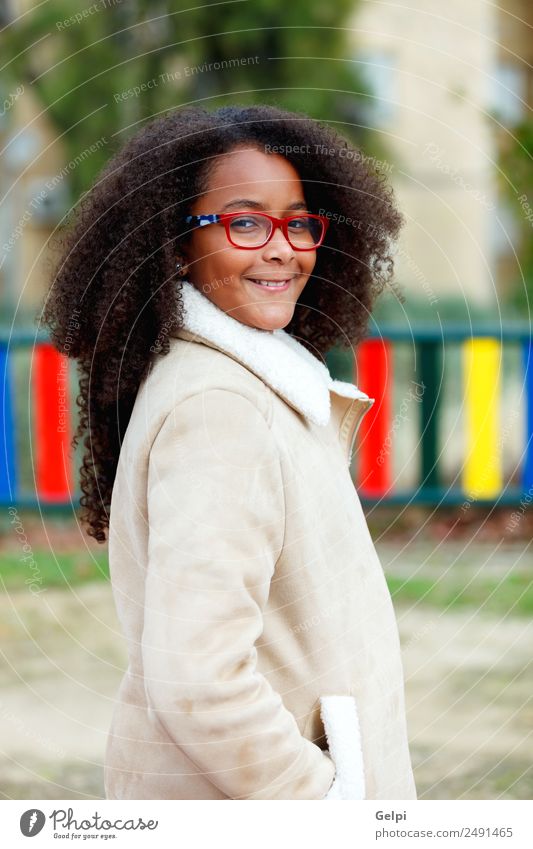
(516, 180)
(83, 61)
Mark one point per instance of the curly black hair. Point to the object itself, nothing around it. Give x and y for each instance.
(116, 271)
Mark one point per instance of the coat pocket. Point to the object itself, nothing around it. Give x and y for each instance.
(341, 723)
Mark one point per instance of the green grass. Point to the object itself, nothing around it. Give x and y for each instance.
(48, 570)
(513, 594)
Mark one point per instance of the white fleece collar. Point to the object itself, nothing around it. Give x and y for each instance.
(274, 356)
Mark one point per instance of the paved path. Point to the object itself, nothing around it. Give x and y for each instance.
(469, 675)
(468, 688)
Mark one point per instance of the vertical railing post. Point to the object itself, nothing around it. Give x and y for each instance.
(52, 424)
(428, 375)
(374, 369)
(482, 471)
(8, 465)
(527, 474)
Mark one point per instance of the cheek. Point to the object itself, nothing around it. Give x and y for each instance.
(308, 262)
(235, 264)
(207, 248)
(216, 254)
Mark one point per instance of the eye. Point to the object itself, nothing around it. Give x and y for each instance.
(245, 223)
(300, 224)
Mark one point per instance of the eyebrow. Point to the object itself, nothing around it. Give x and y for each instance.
(253, 204)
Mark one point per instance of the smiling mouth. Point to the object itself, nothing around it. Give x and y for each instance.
(272, 284)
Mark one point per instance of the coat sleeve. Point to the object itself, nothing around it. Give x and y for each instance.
(216, 527)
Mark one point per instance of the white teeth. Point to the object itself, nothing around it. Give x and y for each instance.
(270, 284)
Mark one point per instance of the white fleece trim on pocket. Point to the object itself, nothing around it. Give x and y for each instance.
(341, 724)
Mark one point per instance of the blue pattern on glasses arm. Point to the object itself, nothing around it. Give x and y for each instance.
(201, 219)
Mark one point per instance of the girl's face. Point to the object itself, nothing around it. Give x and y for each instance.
(246, 180)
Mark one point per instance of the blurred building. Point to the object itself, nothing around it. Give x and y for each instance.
(35, 196)
(449, 81)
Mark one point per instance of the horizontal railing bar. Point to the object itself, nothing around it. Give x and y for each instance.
(450, 332)
(453, 332)
(22, 337)
(443, 496)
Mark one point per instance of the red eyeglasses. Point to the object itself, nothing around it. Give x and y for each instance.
(250, 230)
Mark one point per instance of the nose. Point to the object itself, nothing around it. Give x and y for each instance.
(278, 246)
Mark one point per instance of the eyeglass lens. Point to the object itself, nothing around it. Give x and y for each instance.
(252, 230)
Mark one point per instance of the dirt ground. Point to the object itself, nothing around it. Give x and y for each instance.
(468, 676)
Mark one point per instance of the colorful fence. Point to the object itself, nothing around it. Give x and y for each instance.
(48, 397)
(42, 441)
(480, 477)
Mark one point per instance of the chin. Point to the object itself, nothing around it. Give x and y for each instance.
(272, 322)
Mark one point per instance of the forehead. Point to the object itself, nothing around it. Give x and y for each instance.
(247, 172)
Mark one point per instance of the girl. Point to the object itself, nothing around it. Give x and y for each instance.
(213, 274)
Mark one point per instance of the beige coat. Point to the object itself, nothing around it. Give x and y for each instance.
(264, 659)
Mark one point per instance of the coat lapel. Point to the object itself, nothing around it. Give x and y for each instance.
(276, 357)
